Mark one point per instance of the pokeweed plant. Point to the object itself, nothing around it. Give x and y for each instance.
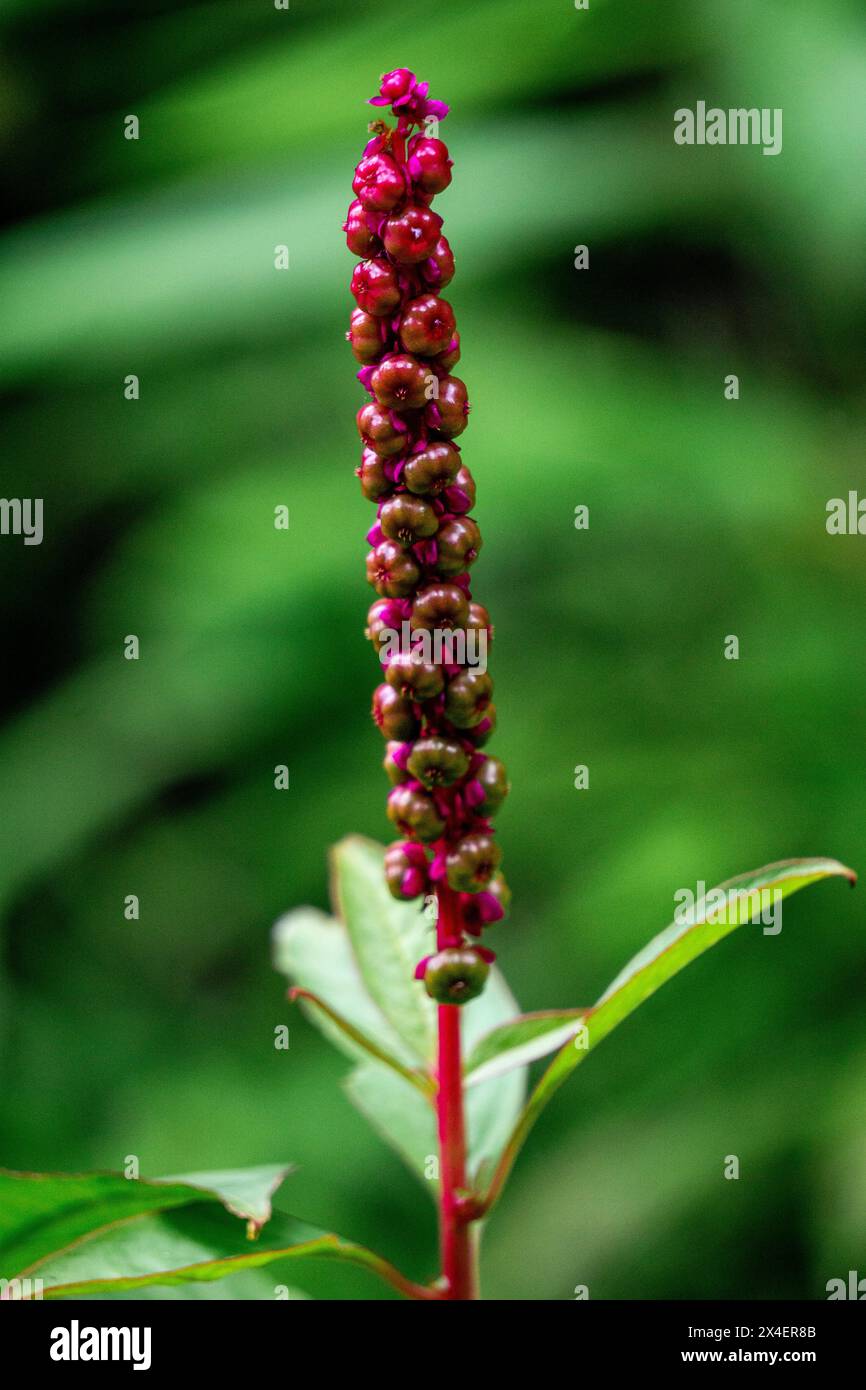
(397, 978)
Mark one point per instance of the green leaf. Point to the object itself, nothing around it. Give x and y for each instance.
(315, 952)
(44, 1212)
(407, 1122)
(198, 1243)
(491, 1111)
(388, 939)
(660, 959)
(420, 1079)
(520, 1041)
(398, 1114)
(368, 1002)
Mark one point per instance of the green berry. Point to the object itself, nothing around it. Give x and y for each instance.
(440, 606)
(455, 975)
(407, 519)
(414, 813)
(414, 679)
(472, 863)
(391, 570)
(458, 543)
(437, 762)
(392, 714)
(393, 772)
(468, 697)
(432, 469)
(493, 777)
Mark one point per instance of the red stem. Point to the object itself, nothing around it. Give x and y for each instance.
(458, 1263)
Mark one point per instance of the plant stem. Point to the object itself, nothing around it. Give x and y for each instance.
(458, 1258)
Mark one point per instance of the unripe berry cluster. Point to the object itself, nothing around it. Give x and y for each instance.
(436, 716)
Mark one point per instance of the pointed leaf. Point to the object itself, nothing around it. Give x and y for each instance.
(520, 1041)
(661, 959)
(402, 1117)
(399, 1115)
(194, 1244)
(44, 1212)
(491, 1110)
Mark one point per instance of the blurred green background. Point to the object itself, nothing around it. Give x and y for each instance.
(602, 387)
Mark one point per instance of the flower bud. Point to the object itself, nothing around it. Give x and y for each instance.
(472, 863)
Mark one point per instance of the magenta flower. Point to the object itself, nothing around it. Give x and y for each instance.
(408, 97)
